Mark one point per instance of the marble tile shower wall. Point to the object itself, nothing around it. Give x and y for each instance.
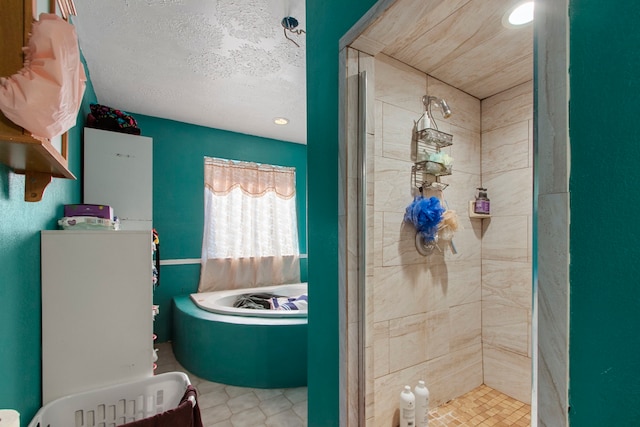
(507, 173)
(423, 313)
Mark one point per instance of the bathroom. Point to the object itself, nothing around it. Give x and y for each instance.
(177, 185)
(454, 319)
(179, 149)
(19, 245)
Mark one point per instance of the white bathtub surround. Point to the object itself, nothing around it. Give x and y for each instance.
(222, 302)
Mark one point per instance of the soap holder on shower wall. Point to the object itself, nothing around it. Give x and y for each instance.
(425, 175)
(433, 137)
(473, 214)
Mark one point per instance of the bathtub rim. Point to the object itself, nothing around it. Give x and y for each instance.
(202, 301)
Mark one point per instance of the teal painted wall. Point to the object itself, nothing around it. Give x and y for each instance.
(327, 21)
(604, 343)
(178, 195)
(20, 225)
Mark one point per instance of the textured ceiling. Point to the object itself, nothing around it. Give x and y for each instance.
(223, 64)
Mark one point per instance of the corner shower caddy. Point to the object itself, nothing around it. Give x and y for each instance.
(425, 173)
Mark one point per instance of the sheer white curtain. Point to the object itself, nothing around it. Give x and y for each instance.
(250, 227)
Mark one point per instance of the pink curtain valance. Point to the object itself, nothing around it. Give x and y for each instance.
(254, 179)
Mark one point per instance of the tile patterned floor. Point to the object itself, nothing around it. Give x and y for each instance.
(229, 406)
(481, 407)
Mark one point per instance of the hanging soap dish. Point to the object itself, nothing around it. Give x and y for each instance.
(435, 185)
(426, 174)
(433, 137)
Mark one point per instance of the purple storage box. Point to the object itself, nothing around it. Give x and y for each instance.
(100, 211)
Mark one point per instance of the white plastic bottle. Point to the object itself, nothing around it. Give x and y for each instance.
(407, 408)
(422, 404)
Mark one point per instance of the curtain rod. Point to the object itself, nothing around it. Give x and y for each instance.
(67, 8)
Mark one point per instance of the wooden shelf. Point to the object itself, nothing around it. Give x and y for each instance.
(38, 161)
(34, 156)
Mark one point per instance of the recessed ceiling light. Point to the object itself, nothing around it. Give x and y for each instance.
(280, 121)
(520, 14)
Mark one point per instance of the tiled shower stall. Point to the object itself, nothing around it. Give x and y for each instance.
(454, 320)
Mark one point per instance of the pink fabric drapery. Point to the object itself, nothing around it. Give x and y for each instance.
(250, 233)
(238, 273)
(44, 96)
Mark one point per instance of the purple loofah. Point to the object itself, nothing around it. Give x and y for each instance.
(425, 215)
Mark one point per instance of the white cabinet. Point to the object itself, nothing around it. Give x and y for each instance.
(118, 171)
(96, 310)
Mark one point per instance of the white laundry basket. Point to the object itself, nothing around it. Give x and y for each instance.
(115, 405)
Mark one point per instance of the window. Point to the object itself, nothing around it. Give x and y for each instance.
(250, 233)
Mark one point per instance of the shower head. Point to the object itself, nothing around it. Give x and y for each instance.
(446, 111)
(444, 107)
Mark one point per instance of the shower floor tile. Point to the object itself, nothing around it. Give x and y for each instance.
(481, 407)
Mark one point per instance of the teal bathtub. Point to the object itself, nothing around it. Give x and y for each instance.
(241, 351)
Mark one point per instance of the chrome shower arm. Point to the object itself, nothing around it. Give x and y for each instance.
(427, 100)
